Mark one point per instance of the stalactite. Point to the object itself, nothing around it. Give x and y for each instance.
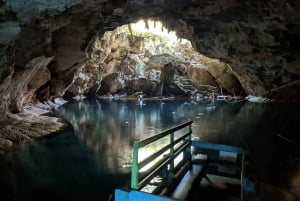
(168, 27)
(130, 31)
(146, 24)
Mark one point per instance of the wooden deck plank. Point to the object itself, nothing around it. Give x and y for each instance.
(186, 182)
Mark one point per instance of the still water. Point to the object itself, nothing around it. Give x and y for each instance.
(90, 159)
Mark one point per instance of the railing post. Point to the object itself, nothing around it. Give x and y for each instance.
(187, 152)
(242, 176)
(171, 172)
(135, 166)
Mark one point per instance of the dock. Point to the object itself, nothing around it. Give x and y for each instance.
(185, 169)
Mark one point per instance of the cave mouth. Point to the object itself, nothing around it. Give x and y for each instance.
(146, 58)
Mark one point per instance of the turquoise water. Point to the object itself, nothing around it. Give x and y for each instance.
(90, 159)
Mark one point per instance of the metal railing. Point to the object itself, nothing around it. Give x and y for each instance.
(164, 157)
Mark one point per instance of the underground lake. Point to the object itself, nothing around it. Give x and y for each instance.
(93, 156)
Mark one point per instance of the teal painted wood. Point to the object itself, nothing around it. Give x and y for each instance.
(171, 171)
(135, 166)
(217, 147)
(142, 196)
(121, 195)
(242, 175)
(188, 150)
(138, 181)
(249, 191)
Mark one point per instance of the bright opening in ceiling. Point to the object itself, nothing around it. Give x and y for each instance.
(132, 59)
(144, 27)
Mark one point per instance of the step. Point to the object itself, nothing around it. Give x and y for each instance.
(181, 191)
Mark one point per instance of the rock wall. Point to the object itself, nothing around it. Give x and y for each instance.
(39, 57)
(57, 31)
(44, 43)
(257, 39)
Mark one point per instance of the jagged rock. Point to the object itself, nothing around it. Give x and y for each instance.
(110, 85)
(167, 74)
(43, 93)
(157, 62)
(177, 91)
(166, 78)
(13, 134)
(5, 144)
(25, 83)
(143, 85)
(182, 69)
(230, 84)
(93, 90)
(136, 44)
(24, 126)
(26, 10)
(201, 76)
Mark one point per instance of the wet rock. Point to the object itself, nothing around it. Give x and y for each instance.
(181, 69)
(26, 10)
(13, 134)
(230, 84)
(5, 144)
(167, 74)
(166, 78)
(176, 91)
(157, 62)
(24, 84)
(143, 85)
(24, 127)
(110, 84)
(201, 76)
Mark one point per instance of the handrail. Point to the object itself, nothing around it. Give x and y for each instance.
(164, 133)
(138, 181)
(162, 150)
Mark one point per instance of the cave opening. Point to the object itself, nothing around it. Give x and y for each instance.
(231, 51)
(145, 57)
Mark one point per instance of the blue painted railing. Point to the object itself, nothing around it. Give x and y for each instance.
(181, 144)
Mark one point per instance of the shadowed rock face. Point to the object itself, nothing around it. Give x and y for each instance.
(41, 51)
(257, 40)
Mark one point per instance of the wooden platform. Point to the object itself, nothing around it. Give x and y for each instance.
(185, 185)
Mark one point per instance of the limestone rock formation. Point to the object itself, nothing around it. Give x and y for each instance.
(143, 85)
(50, 48)
(39, 57)
(254, 46)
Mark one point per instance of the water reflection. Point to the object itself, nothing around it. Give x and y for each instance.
(88, 161)
(111, 126)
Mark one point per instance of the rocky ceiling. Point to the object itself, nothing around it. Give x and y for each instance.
(45, 42)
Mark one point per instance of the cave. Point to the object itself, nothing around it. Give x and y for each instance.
(130, 59)
(57, 55)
